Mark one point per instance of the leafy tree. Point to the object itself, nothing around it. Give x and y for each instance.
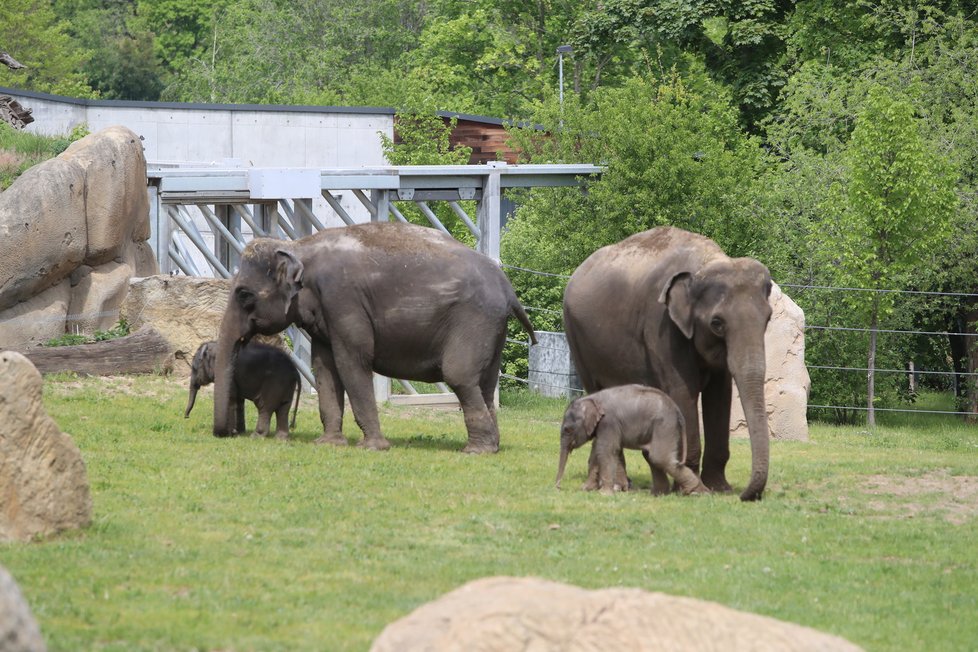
(674, 154)
(893, 208)
(34, 34)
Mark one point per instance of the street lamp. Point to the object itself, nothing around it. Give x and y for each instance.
(561, 51)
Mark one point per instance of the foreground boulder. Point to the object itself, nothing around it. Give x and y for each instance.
(43, 482)
(73, 231)
(506, 613)
(18, 629)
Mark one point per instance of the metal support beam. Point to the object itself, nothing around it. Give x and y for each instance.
(488, 216)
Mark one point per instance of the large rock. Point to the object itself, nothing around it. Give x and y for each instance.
(39, 319)
(186, 310)
(43, 483)
(116, 205)
(43, 229)
(787, 383)
(18, 629)
(86, 210)
(504, 614)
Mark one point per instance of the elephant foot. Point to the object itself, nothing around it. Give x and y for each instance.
(379, 443)
(282, 436)
(335, 440)
(257, 435)
(479, 449)
(717, 483)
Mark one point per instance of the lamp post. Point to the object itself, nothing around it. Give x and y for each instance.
(561, 51)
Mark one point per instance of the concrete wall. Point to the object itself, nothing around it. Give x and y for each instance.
(254, 135)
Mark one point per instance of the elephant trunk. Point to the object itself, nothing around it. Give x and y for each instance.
(228, 344)
(750, 384)
(193, 398)
(564, 452)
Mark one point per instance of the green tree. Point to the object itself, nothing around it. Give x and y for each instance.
(893, 208)
(35, 35)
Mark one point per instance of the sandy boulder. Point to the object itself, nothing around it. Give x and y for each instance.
(86, 209)
(501, 614)
(43, 482)
(18, 629)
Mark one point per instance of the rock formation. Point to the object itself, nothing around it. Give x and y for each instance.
(504, 614)
(43, 482)
(73, 231)
(18, 629)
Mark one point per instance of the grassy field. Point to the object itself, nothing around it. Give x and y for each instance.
(201, 543)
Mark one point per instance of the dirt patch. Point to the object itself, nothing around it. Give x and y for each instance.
(955, 497)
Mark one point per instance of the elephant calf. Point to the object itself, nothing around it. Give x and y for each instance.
(263, 374)
(628, 416)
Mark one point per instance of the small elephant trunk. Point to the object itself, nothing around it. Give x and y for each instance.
(190, 403)
(564, 453)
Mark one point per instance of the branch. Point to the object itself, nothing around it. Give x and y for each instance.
(10, 62)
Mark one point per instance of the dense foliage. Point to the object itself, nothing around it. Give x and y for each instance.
(836, 141)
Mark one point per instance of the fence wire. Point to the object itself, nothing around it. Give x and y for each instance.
(808, 328)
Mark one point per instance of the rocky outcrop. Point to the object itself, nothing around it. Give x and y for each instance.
(787, 384)
(504, 613)
(79, 223)
(18, 629)
(43, 482)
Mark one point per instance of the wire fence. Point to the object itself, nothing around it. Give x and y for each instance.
(798, 290)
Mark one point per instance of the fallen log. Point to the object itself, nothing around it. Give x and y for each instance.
(143, 352)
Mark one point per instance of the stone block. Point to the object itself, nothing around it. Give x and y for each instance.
(551, 371)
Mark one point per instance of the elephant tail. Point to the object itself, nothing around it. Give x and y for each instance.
(298, 394)
(520, 313)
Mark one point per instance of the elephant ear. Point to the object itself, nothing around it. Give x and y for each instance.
(593, 411)
(288, 273)
(676, 296)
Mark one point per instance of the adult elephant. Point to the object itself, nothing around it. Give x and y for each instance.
(667, 308)
(402, 300)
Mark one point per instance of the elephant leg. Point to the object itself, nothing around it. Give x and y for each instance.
(609, 463)
(282, 420)
(660, 481)
(716, 432)
(358, 379)
(687, 403)
(264, 422)
(329, 388)
(593, 472)
(483, 436)
(239, 416)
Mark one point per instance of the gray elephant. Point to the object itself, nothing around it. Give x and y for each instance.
(634, 417)
(667, 308)
(401, 300)
(263, 374)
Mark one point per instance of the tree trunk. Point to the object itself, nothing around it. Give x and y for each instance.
(143, 352)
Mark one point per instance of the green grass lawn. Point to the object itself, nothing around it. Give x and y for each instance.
(242, 544)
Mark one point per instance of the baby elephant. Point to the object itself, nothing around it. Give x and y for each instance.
(263, 374)
(629, 416)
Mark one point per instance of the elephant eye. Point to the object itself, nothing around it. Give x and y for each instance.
(245, 298)
(717, 325)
